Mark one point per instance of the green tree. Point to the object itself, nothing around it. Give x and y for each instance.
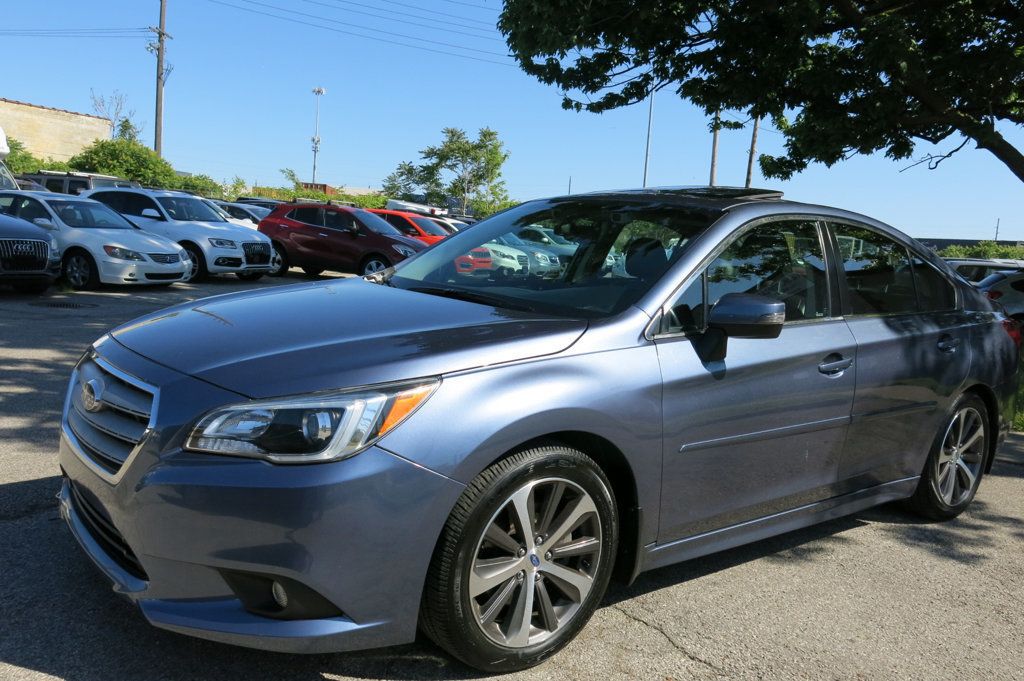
(468, 170)
(199, 184)
(125, 158)
(857, 76)
(984, 249)
(292, 177)
(21, 160)
(126, 130)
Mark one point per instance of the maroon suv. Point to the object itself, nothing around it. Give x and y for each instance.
(318, 237)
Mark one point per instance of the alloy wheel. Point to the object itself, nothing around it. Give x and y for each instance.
(961, 457)
(374, 265)
(77, 271)
(535, 562)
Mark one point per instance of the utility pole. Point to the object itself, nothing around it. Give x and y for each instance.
(650, 118)
(318, 92)
(570, 184)
(161, 76)
(997, 229)
(753, 152)
(714, 147)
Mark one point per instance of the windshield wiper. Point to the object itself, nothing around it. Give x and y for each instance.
(472, 297)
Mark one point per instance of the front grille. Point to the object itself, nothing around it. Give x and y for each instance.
(523, 261)
(106, 535)
(164, 258)
(256, 253)
(107, 414)
(23, 255)
(163, 276)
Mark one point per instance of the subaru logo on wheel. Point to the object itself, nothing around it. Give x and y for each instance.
(534, 560)
(92, 395)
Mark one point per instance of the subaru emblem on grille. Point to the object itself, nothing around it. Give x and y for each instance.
(92, 395)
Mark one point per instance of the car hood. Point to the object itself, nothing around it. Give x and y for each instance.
(134, 239)
(329, 335)
(224, 230)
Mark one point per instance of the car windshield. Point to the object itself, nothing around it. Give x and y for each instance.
(258, 211)
(585, 283)
(992, 279)
(188, 208)
(217, 209)
(375, 223)
(6, 179)
(429, 226)
(88, 215)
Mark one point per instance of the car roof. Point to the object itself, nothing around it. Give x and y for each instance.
(44, 195)
(315, 204)
(147, 192)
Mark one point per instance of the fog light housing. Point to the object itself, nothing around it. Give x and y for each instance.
(279, 593)
(279, 597)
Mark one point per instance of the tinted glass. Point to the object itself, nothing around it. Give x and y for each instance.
(55, 186)
(6, 179)
(30, 209)
(127, 203)
(77, 186)
(374, 223)
(336, 219)
(429, 226)
(307, 215)
(934, 292)
(87, 214)
(878, 273)
(7, 204)
(398, 222)
(470, 264)
(782, 260)
(188, 208)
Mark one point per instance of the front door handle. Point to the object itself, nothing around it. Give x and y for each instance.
(835, 364)
(323, 234)
(948, 344)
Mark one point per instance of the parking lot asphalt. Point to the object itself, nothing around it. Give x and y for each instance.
(880, 594)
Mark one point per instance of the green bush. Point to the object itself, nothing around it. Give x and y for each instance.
(287, 194)
(984, 249)
(21, 160)
(125, 158)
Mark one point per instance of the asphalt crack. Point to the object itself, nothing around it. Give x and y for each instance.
(693, 657)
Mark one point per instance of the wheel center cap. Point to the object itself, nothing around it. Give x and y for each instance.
(534, 560)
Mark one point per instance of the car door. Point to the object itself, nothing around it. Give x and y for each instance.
(342, 240)
(305, 234)
(30, 210)
(912, 348)
(760, 431)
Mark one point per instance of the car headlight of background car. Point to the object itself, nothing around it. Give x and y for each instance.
(122, 253)
(222, 243)
(404, 250)
(309, 429)
(54, 248)
(541, 257)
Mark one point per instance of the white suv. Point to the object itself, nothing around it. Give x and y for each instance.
(213, 246)
(99, 246)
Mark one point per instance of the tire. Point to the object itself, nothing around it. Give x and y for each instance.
(34, 288)
(80, 271)
(481, 528)
(250, 276)
(199, 271)
(312, 271)
(374, 263)
(281, 257)
(938, 496)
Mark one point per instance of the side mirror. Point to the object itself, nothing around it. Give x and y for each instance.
(151, 213)
(45, 223)
(740, 315)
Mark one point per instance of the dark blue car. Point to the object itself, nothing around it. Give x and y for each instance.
(330, 466)
(29, 255)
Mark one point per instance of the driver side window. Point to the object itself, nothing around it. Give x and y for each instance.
(781, 260)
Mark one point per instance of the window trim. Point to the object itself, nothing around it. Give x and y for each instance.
(912, 252)
(652, 332)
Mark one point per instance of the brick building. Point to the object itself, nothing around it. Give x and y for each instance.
(51, 133)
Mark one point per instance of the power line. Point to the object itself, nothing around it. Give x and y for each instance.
(412, 23)
(471, 4)
(405, 13)
(360, 35)
(431, 11)
(371, 28)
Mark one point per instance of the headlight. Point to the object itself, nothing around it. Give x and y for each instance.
(122, 253)
(222, 243)
(541, 257)
(404, 250)
(502, 256)
(309, 429)
(54, 249)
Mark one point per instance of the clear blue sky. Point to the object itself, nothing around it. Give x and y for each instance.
(239, 103)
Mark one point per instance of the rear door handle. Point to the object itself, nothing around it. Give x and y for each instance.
(948, 344)
(835, 366)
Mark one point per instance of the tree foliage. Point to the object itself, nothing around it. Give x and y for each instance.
(466, 169)
(128, 159)
(837, 77)
(21, 160)
(984, 249)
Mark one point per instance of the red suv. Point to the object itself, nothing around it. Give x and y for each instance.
(413, 225)
(318, 237)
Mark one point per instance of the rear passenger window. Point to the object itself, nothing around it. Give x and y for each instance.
(309, 216)
(878, 273)
(934, 292)
(55, 186)
(77, 186)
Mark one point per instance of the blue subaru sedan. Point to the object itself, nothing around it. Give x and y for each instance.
(476, 452)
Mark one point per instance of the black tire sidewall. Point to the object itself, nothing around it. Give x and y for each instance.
(93, 281)
(932, 498)
(196, 255)
(280, 253)
(475, 648)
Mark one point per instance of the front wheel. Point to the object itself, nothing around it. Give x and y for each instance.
(956, 463)
(278, 262)
(81, 272)
(198, 271)
(523, 560)
(374, 264)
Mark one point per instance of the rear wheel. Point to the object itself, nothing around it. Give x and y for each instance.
(198, 271)
(956, 463)
(80, 271)
(523, 560)
(375, 263)
(279, 262)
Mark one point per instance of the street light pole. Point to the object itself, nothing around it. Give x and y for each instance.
(650, 118)
(318, 92)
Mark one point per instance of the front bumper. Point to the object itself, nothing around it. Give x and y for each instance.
(359, 532)
(131, 272)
